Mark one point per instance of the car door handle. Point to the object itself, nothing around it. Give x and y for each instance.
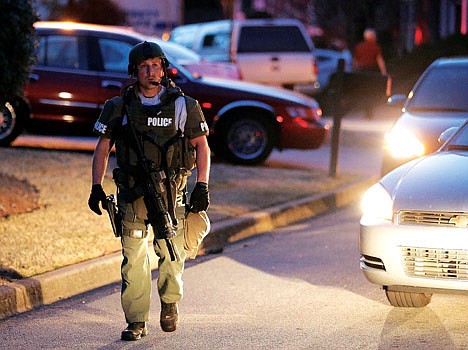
(275, 59)
(34, 77)
(111, 84)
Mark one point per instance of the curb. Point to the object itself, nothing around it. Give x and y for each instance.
(66, 282)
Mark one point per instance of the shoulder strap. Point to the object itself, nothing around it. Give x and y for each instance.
(180, 114)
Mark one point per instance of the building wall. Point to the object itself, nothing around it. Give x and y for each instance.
(152, 17)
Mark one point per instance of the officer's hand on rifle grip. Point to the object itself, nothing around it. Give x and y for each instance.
(200, 198)
(97, 196)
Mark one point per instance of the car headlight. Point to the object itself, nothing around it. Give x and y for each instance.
(403, 144)
(377, 203)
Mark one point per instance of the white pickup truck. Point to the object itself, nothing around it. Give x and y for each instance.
(268, 51)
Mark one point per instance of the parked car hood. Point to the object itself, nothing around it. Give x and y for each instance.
(274, 92)
(432, 183)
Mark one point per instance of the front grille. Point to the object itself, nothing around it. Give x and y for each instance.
(435, 263)
(451, 219)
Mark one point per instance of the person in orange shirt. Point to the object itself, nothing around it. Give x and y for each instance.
(368, 54)
(369, 65)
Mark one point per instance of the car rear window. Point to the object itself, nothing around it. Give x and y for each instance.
(114, 54)
(59, 51)
(272, 39)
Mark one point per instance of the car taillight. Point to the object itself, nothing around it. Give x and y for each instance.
(311, 113)
(206, 105)
(317, 113)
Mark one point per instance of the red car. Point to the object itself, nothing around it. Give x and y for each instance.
(80, 66)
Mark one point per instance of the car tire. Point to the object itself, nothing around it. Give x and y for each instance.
(408, 299)
(246, 141)
(11, 123)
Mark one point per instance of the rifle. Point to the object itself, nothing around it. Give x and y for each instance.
(158, 216)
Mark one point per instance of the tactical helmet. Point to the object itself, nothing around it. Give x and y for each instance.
(142, 51)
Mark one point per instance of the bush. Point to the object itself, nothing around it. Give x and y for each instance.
(17, 43)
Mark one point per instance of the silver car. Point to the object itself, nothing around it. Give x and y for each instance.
(414, 228)
(437, 101)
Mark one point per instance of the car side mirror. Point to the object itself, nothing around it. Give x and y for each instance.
(448, 133)
(397, 100)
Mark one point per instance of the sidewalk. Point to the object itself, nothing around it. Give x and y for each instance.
(69, 281)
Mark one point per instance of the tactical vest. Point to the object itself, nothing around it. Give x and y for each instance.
(160, 133)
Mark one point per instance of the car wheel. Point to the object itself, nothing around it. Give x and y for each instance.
(11, 124)
(247, 141)
(408, 299)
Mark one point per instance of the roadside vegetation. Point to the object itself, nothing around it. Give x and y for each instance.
(17, 42)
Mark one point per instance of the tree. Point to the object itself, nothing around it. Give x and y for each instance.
(17, 43)
(347, 19)
(340, 18)
(202, 11)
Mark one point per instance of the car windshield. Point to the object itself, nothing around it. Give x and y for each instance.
(444, 89)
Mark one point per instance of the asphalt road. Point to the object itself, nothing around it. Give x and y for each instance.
(299, 287)
(360, 148)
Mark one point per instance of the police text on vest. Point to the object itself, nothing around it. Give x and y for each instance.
(155, 121)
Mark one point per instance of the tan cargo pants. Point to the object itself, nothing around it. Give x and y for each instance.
(136, 269)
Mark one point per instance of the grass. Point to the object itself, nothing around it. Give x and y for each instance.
(64, 231)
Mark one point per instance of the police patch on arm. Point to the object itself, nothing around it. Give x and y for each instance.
(100, 128)
(110, 115)
(196, 124)
(204, 126)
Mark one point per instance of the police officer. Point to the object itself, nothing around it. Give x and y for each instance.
(172, 134)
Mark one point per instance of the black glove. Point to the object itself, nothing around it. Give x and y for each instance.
(97, 196)
(200, 198)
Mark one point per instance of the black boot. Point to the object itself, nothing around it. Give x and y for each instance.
(134, 331)
(169, 316)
